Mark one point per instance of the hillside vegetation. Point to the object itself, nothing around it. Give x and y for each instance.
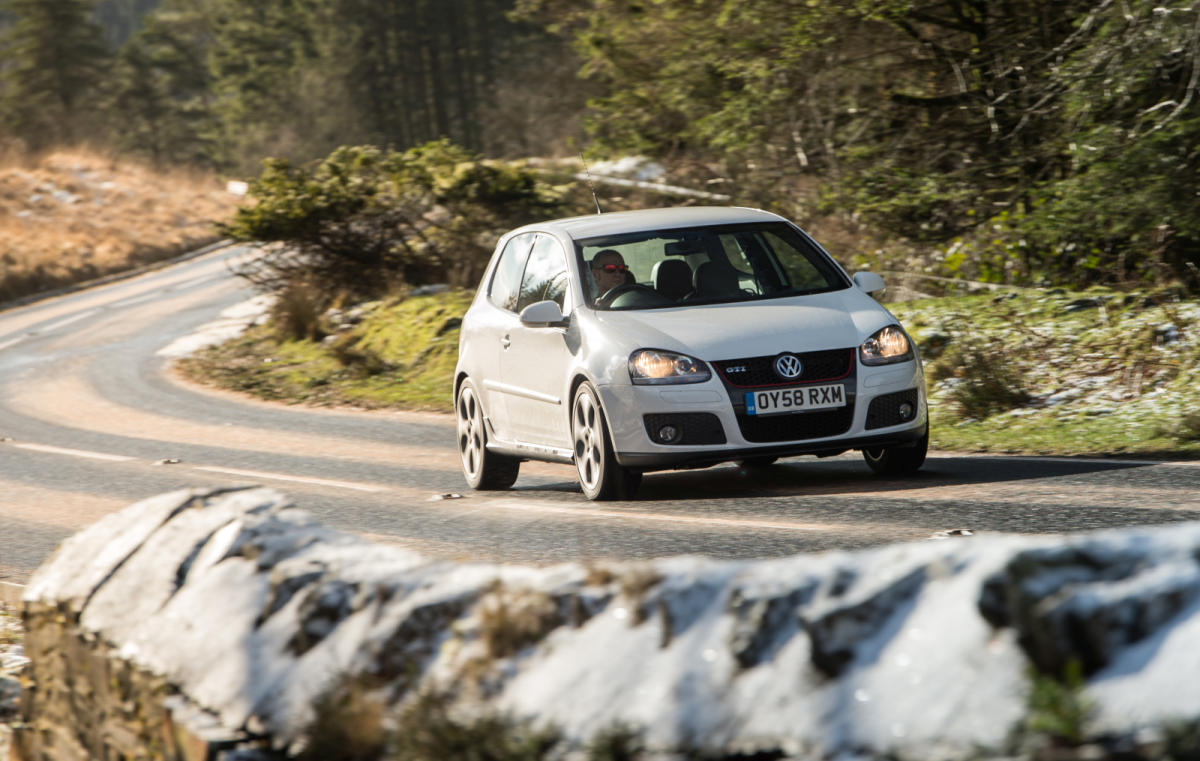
(1012, 141)
(71, 216)
(1049, 147)
(1049, 372)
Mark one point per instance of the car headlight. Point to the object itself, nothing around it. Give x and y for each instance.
(654, 367)
(886, 346)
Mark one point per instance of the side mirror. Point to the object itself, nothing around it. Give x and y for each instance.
(541, 314)
(870, 283)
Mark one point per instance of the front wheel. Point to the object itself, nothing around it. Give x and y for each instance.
(600, 476)
(483, 470)
(898, 461)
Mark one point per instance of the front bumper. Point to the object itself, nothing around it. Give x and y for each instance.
(697, 459)
(818, 432)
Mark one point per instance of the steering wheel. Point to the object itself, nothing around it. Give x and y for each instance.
(612, 293)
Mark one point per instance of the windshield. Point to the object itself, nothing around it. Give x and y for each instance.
(704, 265)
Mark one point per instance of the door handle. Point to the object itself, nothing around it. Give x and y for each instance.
(506, 342)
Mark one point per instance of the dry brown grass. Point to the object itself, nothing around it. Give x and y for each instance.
(512, 619)
(73, 215)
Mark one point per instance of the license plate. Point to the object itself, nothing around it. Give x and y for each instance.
(798, 399)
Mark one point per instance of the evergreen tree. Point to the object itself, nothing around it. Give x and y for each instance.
(160, 102)
(258, 56)
(54, 62)
(121, 19)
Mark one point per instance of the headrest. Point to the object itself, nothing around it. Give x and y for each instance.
(713, 279)
(672, 278)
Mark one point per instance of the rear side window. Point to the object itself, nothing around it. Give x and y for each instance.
(545, 274)
(506, 281)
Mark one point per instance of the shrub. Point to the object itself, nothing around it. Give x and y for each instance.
(511, 620)
(618, 742)
(989, 379)
(1189, 427)
(297, 311)
(363, 221)
(1058, 708)
(428, 731)
(348, 724)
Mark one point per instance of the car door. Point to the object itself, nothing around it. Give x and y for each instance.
(490, 325)
(534, 360)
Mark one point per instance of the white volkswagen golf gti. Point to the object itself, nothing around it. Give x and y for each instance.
(648, 340)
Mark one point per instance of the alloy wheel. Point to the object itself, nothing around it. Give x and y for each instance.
(470, 433)
(588, 431)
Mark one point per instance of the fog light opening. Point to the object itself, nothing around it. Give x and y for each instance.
(907, 411)
(669, 434)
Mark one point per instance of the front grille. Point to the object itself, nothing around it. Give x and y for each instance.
(885, 410)
(694, 427)
(831, 364)
(796, 427)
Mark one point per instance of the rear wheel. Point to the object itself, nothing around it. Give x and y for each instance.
(600, 476)
(483, 470)
(898, 461)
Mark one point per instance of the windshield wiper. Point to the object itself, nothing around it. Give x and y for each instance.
(798, 292)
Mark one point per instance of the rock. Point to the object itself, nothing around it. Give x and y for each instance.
(10, 691)
(426, 290)
(933, 343)
(1080, 305)
(1066, 395)
(1086, 603)
(843, 625)
(1166, 334)
(764, 621)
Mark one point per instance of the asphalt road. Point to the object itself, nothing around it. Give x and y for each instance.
(92, 420)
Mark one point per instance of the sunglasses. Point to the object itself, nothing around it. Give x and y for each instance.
(611, 268)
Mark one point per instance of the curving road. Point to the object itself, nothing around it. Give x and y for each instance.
(89, 412)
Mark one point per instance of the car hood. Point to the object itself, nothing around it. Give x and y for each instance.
(751, 329)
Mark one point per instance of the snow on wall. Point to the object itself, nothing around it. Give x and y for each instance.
(251, 608)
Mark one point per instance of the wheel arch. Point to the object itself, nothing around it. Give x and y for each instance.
(578, 380)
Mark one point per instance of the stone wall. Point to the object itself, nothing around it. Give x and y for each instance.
(208, 624)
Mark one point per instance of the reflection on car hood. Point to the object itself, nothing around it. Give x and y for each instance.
(752, 329)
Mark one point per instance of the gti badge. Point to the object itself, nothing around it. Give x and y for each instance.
(788, 366)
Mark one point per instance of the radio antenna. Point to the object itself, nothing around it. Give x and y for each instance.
(588, 173)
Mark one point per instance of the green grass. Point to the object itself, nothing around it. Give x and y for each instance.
(402, 355)
(1015, 372)
(1100, 380)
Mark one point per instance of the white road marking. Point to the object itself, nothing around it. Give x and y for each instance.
(296, 479)
(74, 452)
(68, 321)
(737, 523)
(135, 300)
(12, 342)
(1066, 460)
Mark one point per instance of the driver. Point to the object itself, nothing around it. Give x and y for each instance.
(608, 268)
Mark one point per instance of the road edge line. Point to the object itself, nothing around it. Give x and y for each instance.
(11, 594)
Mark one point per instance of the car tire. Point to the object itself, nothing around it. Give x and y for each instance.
(483, 469)
(754, 463)
(600, 475)
(898, 461)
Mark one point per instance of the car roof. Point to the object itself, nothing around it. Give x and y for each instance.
(617, 222)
